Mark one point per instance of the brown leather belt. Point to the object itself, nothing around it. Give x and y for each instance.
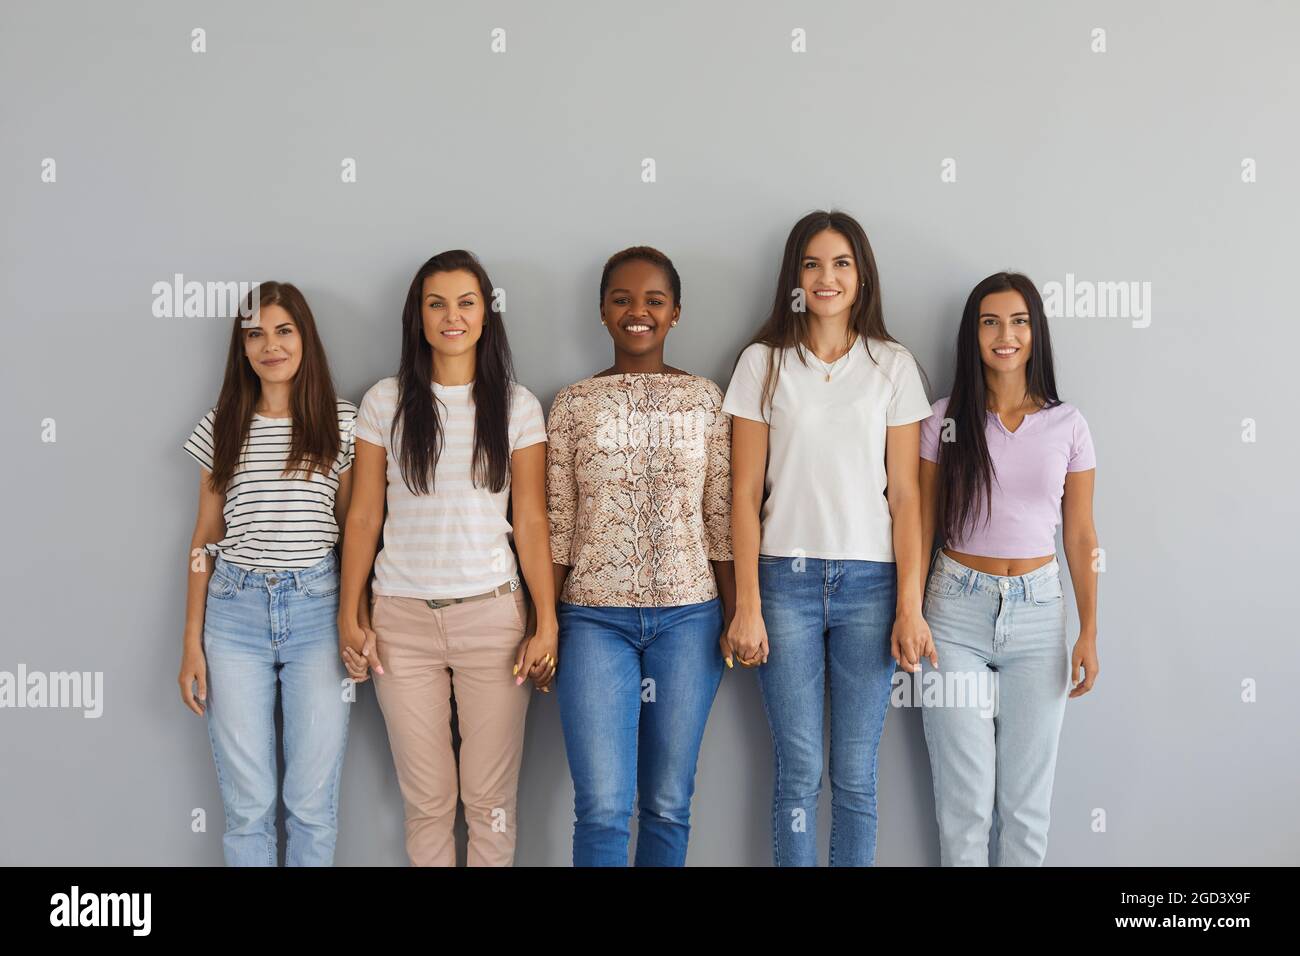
(511, 585)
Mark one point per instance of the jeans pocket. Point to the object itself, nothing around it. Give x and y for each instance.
(943, 585)
(1048, 591)
(221, 587)
(323, 586)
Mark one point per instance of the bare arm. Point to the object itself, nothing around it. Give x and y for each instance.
(748, 634)
(911, 639)
(209, 528)
(365, 521)
(929, 507)
(532, 530)
(1079, 536)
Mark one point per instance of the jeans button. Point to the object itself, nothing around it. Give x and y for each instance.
(1004, 585)
(271, 581)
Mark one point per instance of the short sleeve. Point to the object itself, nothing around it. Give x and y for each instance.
(907, 401)
(931, 430)
(1082, 455)
(370, 422)
(527, 426)
(347, 443)
(744, 397)
(717, 482)
(201, 444)
(561, 479)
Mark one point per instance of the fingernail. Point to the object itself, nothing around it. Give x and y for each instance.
(518, 681)
(729, 664)
(379, 670)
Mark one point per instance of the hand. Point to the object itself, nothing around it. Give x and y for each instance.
(194, 670)
(358, 650)
(536, 658)
(1085, 656)
(911, 641)
(746, 638)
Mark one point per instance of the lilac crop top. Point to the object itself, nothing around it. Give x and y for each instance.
(1030, 465)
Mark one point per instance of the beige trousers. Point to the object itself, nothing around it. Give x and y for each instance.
(428, 655)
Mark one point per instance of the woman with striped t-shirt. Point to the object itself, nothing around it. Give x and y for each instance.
(452, 443)
(274, 457)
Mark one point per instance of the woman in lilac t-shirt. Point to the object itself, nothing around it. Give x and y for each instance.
(1003, 460)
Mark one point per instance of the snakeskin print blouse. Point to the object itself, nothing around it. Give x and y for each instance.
(638, 488)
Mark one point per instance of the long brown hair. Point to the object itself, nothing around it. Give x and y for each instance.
(966, 471)
(787, 328)
(313, 404)
(421, 427)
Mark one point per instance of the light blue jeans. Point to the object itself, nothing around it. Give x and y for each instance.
(828, 628)
(260, 631)
(635, 687)
(993, 771)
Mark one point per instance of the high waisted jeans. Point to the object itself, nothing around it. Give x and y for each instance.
(260, 632)
(826, 619)
(635, 687)
(995, 763)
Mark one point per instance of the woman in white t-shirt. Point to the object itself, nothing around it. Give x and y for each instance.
(274, 456)
(826, 530)
(452, 444)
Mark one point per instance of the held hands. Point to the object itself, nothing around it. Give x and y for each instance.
(357, 650)
(194, 670)
(745, 638)
(911, 641)
(1085, 656)
(536, 658)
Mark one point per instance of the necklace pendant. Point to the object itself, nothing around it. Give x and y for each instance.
(828, 376)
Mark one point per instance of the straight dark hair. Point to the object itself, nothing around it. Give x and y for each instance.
(787, 328)
(315, 441)
(966, 472)
(421, 441)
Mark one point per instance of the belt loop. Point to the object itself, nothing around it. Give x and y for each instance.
(240, 573)
(1029, 588)
(297, 580)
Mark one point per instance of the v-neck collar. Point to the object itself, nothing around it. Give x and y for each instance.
(1023, 422)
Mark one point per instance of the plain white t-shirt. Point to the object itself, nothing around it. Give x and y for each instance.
(455, 541)
(825, 483)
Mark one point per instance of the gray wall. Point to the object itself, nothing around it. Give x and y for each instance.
(1115, 166)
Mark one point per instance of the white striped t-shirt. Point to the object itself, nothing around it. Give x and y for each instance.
(275, 523)
(455, 541)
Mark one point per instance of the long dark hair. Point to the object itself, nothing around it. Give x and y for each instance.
(966, 472)
(786, 328)
(421, 427)
(315, 441)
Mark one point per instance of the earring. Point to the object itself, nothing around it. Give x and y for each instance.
(674, 321)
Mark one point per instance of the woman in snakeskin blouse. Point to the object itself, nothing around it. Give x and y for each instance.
(639, 498)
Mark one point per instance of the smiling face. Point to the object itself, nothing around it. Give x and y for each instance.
(1004, 331)
(828, 274)
(638, 308)
(274, 347)
(452, 308)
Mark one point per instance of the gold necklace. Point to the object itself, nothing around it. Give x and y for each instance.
(828, 369)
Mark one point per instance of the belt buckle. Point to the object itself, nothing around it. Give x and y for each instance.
(436, 604)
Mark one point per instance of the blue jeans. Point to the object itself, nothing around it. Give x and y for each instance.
(635, 688)
(261, 630)
(826, 616)
(995, 763)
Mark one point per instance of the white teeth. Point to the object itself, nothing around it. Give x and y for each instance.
(825, 294)
(454, 332)
(1011, 351)
(638, 328)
